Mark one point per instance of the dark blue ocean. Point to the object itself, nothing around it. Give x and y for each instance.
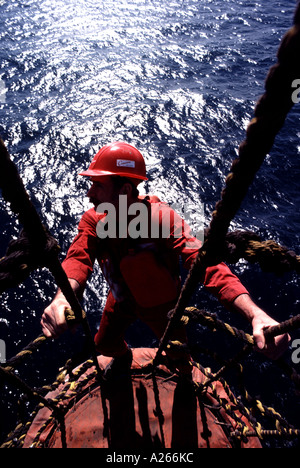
(179, 79)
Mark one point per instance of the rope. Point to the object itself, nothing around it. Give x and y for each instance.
(269, 116)
(271, 256)
(210, 320)
(36, 239)
(72, 388)
(22, 258)
(57, 412)
(14, 192)
(26, 351)
(158, 411)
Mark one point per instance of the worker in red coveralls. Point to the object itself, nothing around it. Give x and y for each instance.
(138, 242)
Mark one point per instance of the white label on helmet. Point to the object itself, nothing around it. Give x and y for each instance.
(125, 163)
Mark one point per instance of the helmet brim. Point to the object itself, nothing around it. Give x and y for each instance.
(97, 173)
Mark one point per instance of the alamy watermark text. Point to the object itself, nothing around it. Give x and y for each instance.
(2, 92)
(177, 220)
(2, 352)
(296, 93)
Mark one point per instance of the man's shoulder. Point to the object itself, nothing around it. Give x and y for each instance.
(91, 217)
(149, 198)
(157, 205)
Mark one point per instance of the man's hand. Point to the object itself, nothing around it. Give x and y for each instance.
(273, 348)
(53, 319)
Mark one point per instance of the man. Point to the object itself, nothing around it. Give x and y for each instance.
(138, 242)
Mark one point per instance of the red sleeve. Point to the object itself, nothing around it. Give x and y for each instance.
(223, 284)
(219, 280)
(81, 255)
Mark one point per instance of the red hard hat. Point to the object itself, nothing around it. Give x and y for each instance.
(119, 159)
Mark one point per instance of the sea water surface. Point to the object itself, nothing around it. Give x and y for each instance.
(179, 80)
